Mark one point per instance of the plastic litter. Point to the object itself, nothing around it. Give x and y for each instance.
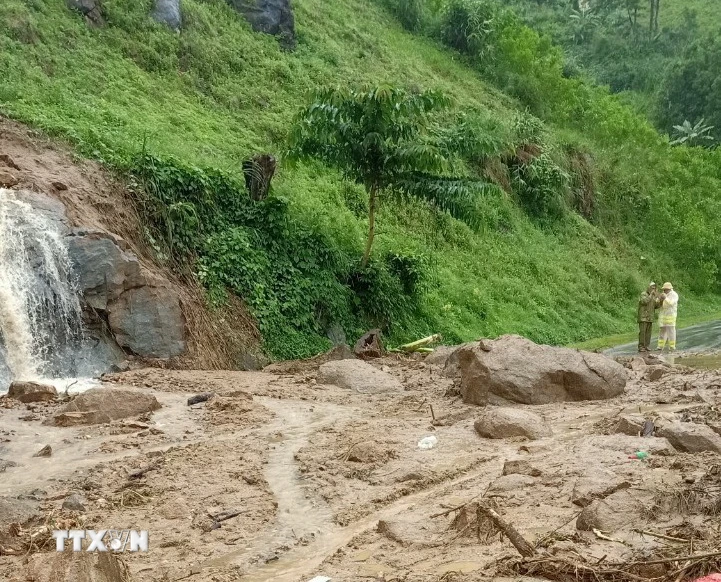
(641, 455)
(320, 579)
(427, 442)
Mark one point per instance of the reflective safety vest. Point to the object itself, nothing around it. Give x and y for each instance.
(669, 307)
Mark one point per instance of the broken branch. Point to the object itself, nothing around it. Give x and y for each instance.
(519, 542)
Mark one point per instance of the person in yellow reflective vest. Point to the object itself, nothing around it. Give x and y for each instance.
(668, 304)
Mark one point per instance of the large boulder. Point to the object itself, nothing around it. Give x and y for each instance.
(501, 423)
(269, 16)
(168, 12)
(32, 392)
(358, 376)
(108, 403)
(597, 486)
(149, 322)
(691, 437)
(515, 369)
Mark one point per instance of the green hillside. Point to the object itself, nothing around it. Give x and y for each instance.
(179, 112)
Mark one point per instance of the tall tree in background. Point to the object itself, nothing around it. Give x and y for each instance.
(379, 137)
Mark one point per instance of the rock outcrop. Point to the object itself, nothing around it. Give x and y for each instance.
(501, 423)
(143, 312)
(168, 12)
(91, 9)
(514, 369)
(358, 376)
(270, 16)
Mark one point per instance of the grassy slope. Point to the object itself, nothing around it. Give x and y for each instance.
(217, 92)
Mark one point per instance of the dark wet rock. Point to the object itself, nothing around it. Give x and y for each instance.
(75, 502)
(46, 451)
(110, 403)
(655, 373)
(691, 437)
(4, 465)
(198, 398)
(168, 12)
(270, 16)
(358, 376)
(515, 369)
(32, 392)
(500, 423)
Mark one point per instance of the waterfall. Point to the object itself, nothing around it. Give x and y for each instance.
(40, 314)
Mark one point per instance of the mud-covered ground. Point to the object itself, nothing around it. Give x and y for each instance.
(325, 481)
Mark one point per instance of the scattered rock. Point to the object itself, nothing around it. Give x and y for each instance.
(61, 186)
(9, 162)
(512, 482)
(168, 12)
(369, 345)
(176, 508)
(75, 502)
(198, 398)
(111, 403)
(16, 510)
(46, 451)
(516, 369)
(32, 392)
(598, 486)
(4, 464)
(610, 514)
(358, 376)
(520, 467)
(630, 424)
(369, 452)
(7, 180)
(655, 373)
(66, 419)
(691, 437)
(501, 423)
(637, 364)
(269, 16)
(629, 444)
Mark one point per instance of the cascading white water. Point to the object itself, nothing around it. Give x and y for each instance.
(40, 314)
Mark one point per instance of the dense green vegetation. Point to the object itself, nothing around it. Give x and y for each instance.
(589, 200)
(663, 55)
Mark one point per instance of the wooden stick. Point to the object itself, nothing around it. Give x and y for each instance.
(433, 416)
(141, 472)
(660, 536)
(670, 560)
(519, 542)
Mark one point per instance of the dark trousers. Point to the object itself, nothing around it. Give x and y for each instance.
(644, 335)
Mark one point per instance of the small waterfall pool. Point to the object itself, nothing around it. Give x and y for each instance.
(41, 326)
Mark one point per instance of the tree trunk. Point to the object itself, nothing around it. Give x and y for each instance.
(259, 171)
(655, 19)
(373, 200)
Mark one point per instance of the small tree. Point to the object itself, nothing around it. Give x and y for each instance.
(379, 138)
(692, 134)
